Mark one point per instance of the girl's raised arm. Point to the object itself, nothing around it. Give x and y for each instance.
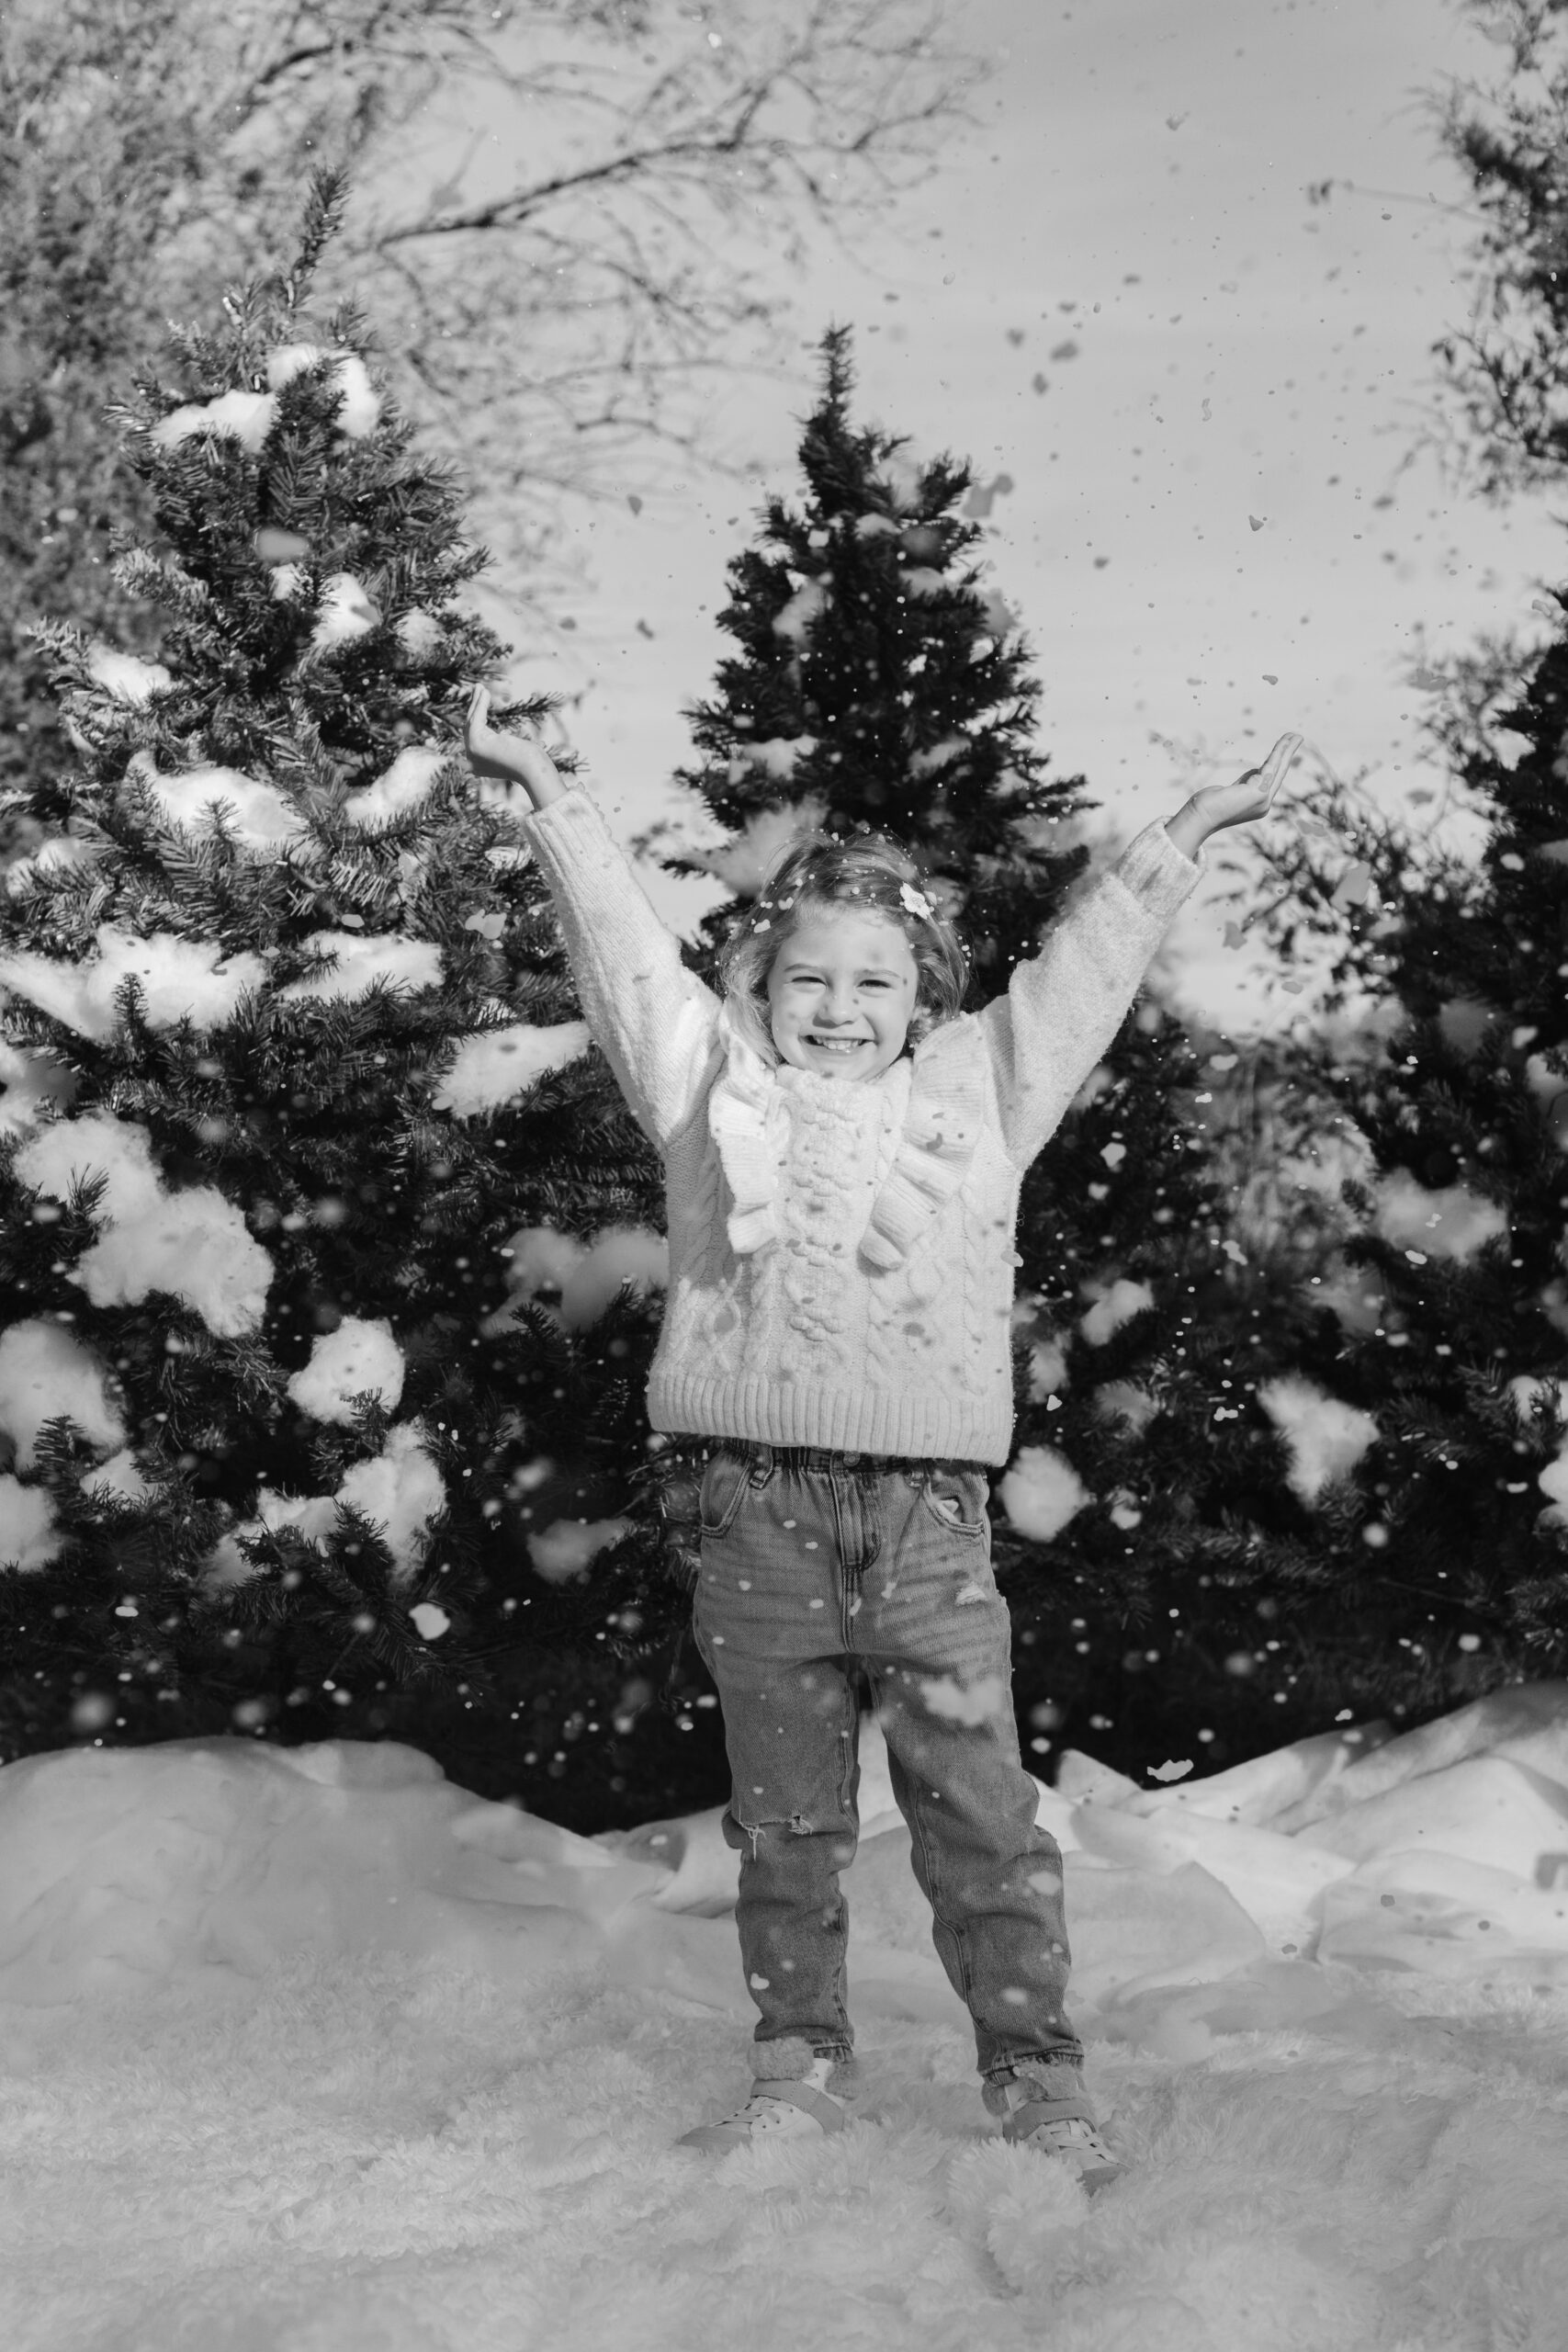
(654, 1021)
(1064, 1004)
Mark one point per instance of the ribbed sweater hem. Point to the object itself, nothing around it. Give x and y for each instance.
(848, 1421)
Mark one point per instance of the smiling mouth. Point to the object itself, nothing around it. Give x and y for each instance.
(836, 1045)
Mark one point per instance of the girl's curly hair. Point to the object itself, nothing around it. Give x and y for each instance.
(818, 872)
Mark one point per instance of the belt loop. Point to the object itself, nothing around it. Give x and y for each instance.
(762, 1461)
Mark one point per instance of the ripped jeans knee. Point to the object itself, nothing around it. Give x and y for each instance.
(738, 1832)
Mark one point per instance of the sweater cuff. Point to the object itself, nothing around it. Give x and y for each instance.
(1159, 876)
(573, 806)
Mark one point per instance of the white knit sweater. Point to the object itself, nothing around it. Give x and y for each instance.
(842, 1251)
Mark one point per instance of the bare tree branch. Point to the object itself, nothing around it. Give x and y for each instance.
(554, 334)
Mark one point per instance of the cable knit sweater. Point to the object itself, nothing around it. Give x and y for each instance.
(842, 1251)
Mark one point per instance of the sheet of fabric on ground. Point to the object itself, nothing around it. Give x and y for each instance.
(310, 2051)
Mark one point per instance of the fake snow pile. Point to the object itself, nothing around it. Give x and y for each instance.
(309, 2050)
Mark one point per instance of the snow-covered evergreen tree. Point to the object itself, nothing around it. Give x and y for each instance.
(1435, 1564)
(298, 1121)
(1444, 1318)
(879, 681)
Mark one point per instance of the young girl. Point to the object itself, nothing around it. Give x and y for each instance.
(843, 1153)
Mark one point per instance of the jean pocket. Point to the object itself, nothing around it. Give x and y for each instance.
(725, 1482)
(956, 1499)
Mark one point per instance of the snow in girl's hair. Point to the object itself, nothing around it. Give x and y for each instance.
(308, 2047)
(875, 874)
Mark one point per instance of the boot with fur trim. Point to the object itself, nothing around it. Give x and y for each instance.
(790, 2100)
(1044, 2107)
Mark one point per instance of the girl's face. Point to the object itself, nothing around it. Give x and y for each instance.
(841, 993)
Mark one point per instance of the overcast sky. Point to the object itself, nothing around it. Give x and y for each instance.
(1219, 525)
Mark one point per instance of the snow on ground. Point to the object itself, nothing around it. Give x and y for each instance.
(309, 2050)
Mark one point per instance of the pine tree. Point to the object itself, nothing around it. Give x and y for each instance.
(1445, 1316)
(299, 1123)
(1431, 1563)
(879, 682)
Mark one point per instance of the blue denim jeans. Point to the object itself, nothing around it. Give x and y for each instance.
(819, 1569)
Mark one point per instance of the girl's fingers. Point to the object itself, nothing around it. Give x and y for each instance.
(1280, 759)
(1269, 777)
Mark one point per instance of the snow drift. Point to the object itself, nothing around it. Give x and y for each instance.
(309, 2050)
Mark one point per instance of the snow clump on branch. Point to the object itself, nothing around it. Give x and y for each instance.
(359, 963)
(193, 1244)
(498, 1065)
(359, 1356)
(257, 813)
(398, 1492)
(30, 1536)
(348, 611)
(179, 979)
(1326, 1437)
(32, 1083)
(361, 410)
(46, 1371)
(402, 787)
(127, 676)
(248, 417)
(245, 417)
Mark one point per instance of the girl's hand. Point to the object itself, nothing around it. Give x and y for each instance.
(508, 759)
(1251, 795)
